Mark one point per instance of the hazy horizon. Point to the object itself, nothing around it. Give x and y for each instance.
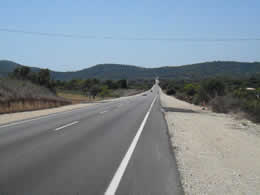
(37, 66)
(147, 34)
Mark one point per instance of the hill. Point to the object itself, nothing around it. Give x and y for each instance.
(7, 67)
(107, 71)
(118, 71)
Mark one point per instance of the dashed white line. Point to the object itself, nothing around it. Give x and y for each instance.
(58, 113)
(103, 112)
(42, 117)
(111, 190)
(68, 125)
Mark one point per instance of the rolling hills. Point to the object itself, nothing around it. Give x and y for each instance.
(119, 71)
(7, 67)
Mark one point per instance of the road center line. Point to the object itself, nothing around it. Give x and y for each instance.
(13, 123)
(103, 112)
(68, 125)
(111, 190)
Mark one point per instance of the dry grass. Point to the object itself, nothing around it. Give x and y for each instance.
(126, 92)
(20, 95)
(29, 105)
(78, 98)
(11, 89)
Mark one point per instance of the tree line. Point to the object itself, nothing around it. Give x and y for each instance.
(89, 87)
(42, 77)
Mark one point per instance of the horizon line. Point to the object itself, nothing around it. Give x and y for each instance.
(122, 64)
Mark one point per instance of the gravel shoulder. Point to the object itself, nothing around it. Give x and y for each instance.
(216, 153)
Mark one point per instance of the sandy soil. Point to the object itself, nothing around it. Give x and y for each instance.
(216, 154)
(7, 118)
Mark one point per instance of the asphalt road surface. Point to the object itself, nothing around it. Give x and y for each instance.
(117, 147)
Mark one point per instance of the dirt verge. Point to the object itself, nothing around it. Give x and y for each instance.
(216, 154)
(8, 118)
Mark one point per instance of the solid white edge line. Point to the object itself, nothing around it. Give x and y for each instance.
(68, 125)
(111, 190)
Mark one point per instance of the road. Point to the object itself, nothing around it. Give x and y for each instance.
(117, 147)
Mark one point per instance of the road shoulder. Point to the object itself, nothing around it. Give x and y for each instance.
(215, 153)
(27, 115)
(152, 168)
(19, 116)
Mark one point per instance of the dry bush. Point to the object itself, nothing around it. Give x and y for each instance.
(13, 89)
(29, 105)
(225, 104)
(19, 95)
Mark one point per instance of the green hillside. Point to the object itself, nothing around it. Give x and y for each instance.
(118, 71)
(7, 67)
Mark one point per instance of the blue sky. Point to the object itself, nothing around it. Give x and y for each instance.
(187, 19)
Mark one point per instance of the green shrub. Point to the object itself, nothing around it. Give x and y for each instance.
(202, 96)
(171, 91)
(104, 92)
(191, 89)
(214, 88)
(252, 108)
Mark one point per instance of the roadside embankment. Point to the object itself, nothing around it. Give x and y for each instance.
(23, 95)
(21, 105)
(216, 153)
(11, 117)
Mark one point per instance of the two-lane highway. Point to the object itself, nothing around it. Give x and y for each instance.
(117, 147)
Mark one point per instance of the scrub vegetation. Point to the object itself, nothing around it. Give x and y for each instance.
(24, 90)
(222, 95)
(95, 89)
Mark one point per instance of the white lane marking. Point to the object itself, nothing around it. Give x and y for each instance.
(111, 190)
(68, 125)
(103, 112)
(65, 112)
(46, 116)
(42, 117)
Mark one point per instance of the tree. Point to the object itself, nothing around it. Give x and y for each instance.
(44, 77)
(111, 84)
(22, 72)
(95, 81)
(104, 92)
(25, 71)
(214, 88)
(94, 90)
(190, 89)
(123, 84)
(171, 91)
(202, 96)
(86, 85)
